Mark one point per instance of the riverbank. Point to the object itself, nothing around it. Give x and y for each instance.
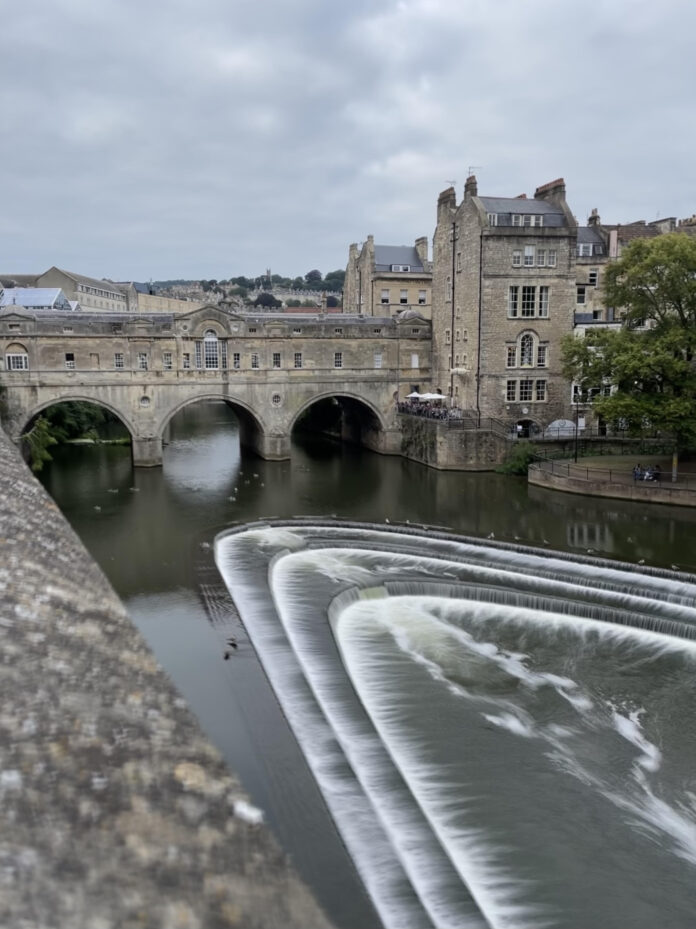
(614, 477)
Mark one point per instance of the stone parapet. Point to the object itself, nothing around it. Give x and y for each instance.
(114, 808)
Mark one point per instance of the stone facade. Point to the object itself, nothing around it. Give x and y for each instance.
(384, 280)
(504, 294)
(270, 368)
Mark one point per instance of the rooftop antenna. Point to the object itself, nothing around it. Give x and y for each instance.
(472, 168)
(451, 183)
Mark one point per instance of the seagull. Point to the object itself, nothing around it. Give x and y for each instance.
(98, 509)
(675, 567)
(517, 538)
(590, 551)
(546, 541)
(134, 490)
(205, 544)
(490, 536)
(386, 520)
(232, 642)
(642, 561)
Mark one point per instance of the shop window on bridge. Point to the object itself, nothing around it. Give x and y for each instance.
(16, 358)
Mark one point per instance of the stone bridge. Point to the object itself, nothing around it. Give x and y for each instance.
(269, 368)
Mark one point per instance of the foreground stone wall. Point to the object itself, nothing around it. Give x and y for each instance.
(114, 809)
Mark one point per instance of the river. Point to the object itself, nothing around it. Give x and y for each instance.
(150, 530)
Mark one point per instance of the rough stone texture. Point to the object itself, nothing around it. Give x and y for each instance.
(114, 809)
(450, 448)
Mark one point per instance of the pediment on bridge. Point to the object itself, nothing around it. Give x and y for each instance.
(14, 317)
(197, 321)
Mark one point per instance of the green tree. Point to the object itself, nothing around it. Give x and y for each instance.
(334, 280)
(37, 443)
(265, 299)
(313, 280)
(655, 279)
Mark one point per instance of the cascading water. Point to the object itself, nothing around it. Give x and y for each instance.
(504, 737)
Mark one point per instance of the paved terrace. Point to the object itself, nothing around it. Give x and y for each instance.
(114, 809)
(613, 477)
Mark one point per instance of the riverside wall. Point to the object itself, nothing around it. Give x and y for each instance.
(450, 448)
(114, 808)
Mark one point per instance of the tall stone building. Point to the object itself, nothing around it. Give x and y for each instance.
(383, 280)
(504, 294)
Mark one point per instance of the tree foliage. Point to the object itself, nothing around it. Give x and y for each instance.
(37, 443)
(644, 379)
(655, 279)
(265, 299)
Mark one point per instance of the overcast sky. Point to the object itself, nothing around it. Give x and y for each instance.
(210, 138)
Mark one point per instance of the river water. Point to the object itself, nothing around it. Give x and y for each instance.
(578, 809)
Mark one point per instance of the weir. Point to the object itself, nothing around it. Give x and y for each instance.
(470, 709)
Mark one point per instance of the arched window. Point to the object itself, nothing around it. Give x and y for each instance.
(16, 357)
(527, 349)
(210, 349)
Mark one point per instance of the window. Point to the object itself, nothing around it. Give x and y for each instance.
(415, 331)
(458, 335)
(517, 258)
(338, 330)
(142, 361)
(255, 361)
(414, 360)
(298, 359)
(403, 296)
(70, 360)
(296, 331)
(541, 257)
(378, 359)
(67, 330)
(540, 390)
(528, 301)
(401, 267)
(448, 336)
(599, 250)
(338, 359)
(276, 399)
(377, 332)
(385, 296)
(593, 277)
(584, 250)
(252, 329)
(459, 261)
(210, 349)
(199, 354)
(513, 299)
(17, 361)
(535, 220)
(223, 355)
(167, 361)
(236, 360)
(580, 295)
(544, 302)
(421, 297)
(542, 355)
(448, 292)
(511, 391)
(551, 258)
(526, 388)
(527, 350)
(119, 361)
(492, 219)
(186, 360)
(516, 219)
(529, 256)
(511, 361)
(276, 359)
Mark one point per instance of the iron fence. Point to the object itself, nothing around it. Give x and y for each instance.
(685, 480)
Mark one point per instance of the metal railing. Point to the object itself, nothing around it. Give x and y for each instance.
(685, 480)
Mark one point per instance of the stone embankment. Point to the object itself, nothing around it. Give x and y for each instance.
(605, 482)
(114, 808)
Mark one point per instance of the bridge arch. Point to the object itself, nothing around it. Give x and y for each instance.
(252, 428)
(360, 422)
(77, 398)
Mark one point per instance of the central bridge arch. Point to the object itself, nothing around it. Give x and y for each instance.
(252, 429)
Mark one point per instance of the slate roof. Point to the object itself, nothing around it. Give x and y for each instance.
(101, 283)
(388, 255)
(506, 206)
(588, 235)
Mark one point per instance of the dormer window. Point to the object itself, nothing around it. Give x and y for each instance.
(400, 267)
(492, 219)
(584, 250)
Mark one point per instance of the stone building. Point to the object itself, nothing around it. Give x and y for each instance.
(504, 294)
(383, 280)
(91, 293)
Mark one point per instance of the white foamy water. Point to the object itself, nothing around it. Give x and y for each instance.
(474, 711)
